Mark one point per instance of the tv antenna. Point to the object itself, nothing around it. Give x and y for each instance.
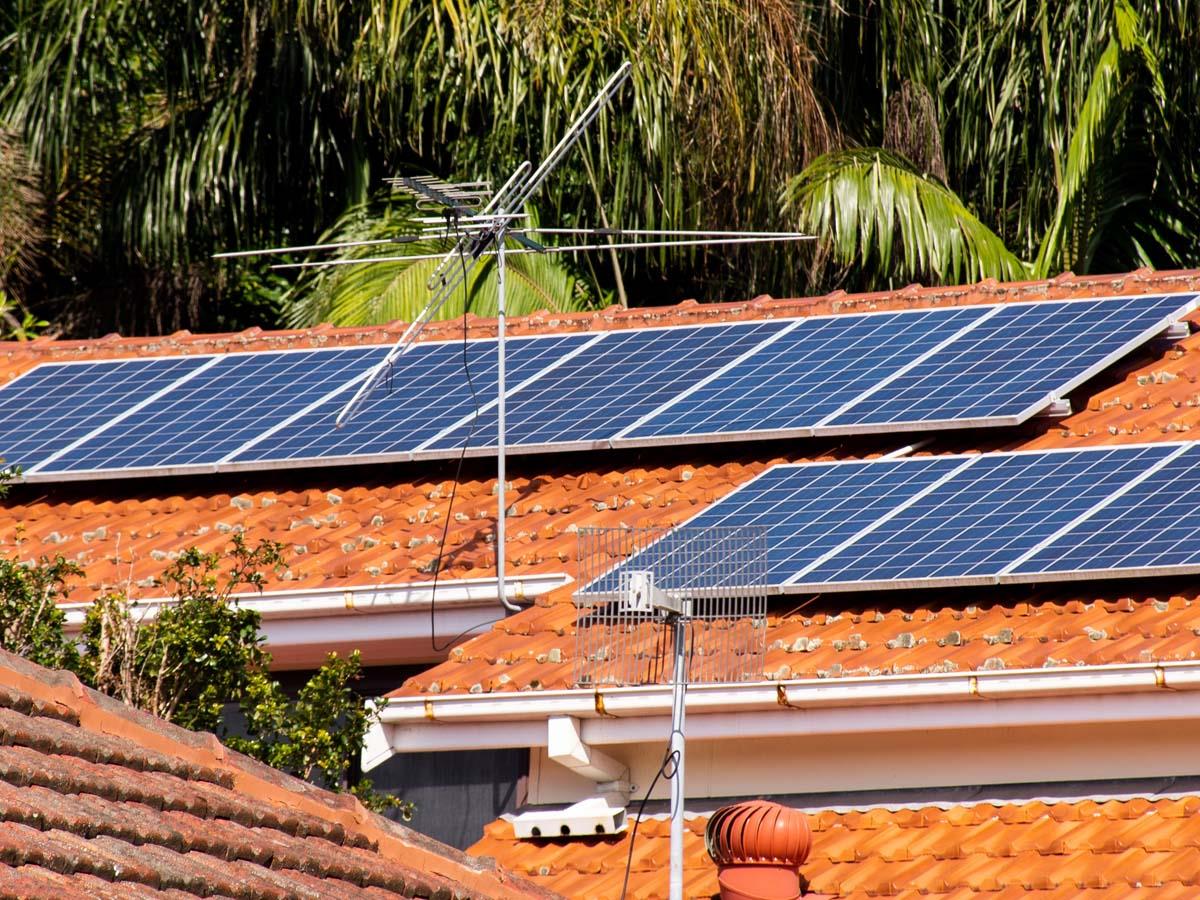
(683, 606)
(480, 223)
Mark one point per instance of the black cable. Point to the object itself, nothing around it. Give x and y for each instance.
(671, 758)
(437, 569)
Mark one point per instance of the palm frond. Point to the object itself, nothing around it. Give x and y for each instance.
(383, 292)
(877, 213)
(1069, 234)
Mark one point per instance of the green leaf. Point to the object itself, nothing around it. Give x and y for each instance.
(877, 214)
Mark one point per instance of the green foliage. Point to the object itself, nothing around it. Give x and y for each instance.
(198, 653)
(158, 134)
(316, 736)
(31, 623)
(1062, 126)
(383, 292)
(880, 215)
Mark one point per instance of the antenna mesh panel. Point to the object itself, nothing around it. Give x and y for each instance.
(718, 574)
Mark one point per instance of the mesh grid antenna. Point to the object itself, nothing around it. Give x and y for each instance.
(716, 577)
(675, 606)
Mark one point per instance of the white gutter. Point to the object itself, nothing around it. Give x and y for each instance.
(389, 623)
(895, 703)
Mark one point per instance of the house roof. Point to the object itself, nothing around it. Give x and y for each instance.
(98, 799)
(368, 525)
(1042, 850)
(363, 526)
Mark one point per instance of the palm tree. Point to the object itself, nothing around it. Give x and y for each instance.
(164, 133)
(1065, 128)
(386, 291)
(1011, 136)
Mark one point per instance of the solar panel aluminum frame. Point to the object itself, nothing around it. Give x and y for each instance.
(230, 463)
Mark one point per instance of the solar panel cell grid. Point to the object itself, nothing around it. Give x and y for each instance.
(46, 410)
(1156, 524)
(1013, 361)
(428, 390)
(986, 516)
(614, 382)
(809, 510)
(809, 373)
(216, 412)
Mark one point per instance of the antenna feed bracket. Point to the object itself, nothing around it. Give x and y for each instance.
(642, 595)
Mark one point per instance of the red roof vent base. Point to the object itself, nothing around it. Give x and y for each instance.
(758, 881)
(758, 847)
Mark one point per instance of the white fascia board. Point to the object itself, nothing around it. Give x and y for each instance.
(390, 623)
(1077, 694)
(320, 602)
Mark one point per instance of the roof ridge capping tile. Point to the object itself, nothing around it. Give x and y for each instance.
(64, 719)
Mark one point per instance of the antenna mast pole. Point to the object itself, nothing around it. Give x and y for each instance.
(501, 492)
(677, 750)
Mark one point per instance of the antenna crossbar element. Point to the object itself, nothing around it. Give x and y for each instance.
(572, 135)
(750, 238)
(460, 199)
(467, 250)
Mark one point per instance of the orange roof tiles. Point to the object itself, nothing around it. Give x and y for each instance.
(535, 649)
(97, 799)
(1091, 850)
(365, 526)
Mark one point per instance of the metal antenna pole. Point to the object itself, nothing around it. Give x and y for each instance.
(678, 749)
(501, 492)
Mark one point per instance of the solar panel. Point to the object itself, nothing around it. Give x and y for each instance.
(49, 408)
(235, 398)
(808, 510)
(1154, 525)
(957, 367)
(429, 394)
(613, 382)
(807, 374)
(954, 520)
(887, 371)
(1012, 363)
(995, 509)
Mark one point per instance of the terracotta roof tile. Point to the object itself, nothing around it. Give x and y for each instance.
(363, 526)
(1107, 624)
(1119, 849)
(98, 800)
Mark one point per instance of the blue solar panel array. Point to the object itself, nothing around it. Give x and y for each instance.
(949, 520)
(893, 371)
